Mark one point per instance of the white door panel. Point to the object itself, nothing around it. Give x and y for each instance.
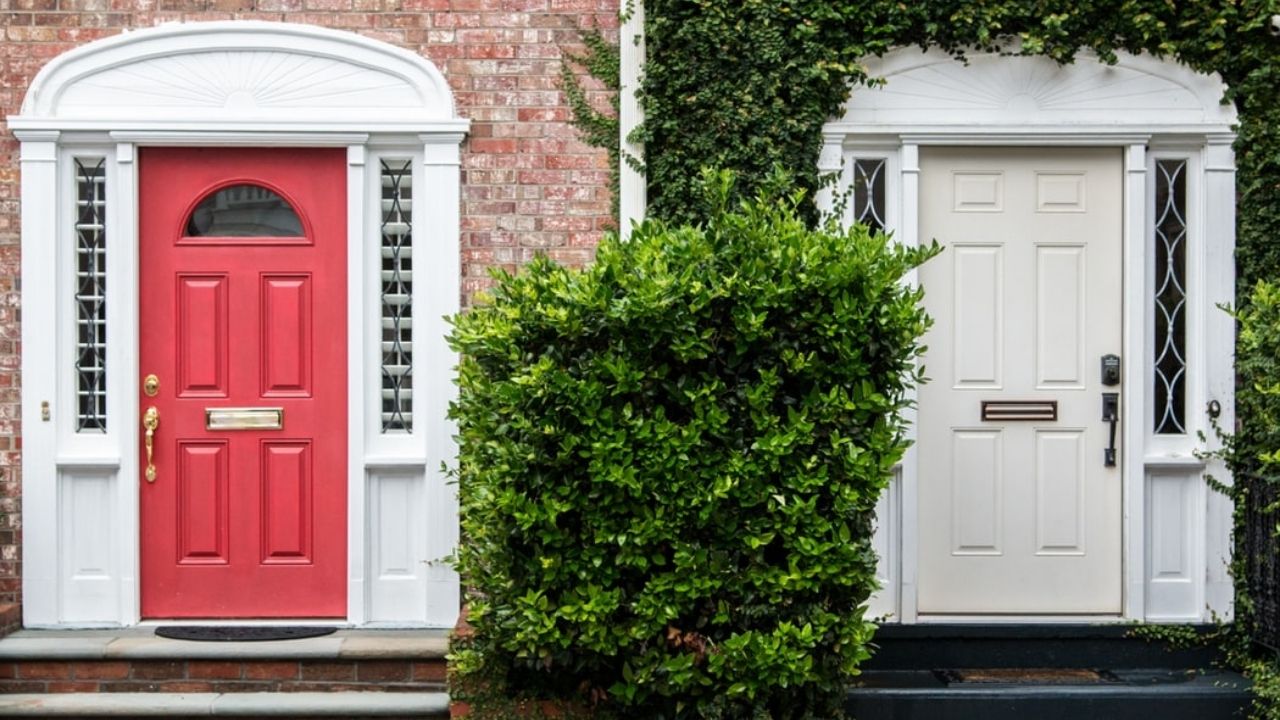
(1018, 516)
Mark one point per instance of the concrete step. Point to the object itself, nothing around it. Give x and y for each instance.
(253, 704)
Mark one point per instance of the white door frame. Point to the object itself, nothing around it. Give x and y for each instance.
(1176, 533)
(242, 84)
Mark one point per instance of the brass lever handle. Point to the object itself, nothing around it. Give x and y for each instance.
(151, 421)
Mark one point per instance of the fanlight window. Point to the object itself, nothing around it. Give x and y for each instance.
(244, 211)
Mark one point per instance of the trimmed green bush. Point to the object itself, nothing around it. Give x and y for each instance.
(670, 460)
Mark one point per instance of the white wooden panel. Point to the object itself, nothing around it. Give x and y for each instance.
(979, 192)
(397, 547)
(979, 314)
(999, 96)
(1174, 544)
(1060, 490)
(886, 540)
(444, 590)
(243, 71)
(87, 557)
(1060, 316)
(977, 492)
(1060, 192)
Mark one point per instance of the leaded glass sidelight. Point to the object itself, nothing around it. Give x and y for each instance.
(90, 294)
(397, 295)
(868, 192)
(1170, 297)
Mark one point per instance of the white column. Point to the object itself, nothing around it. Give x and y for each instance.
(1133, 391)
(632, 184)
(831, 163)
(123, 410)
(434, 366)
(1219, 337)
(39, 160)
(358, 334)
(909, 234)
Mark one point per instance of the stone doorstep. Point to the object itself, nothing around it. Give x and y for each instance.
(141, 643)
(351, 704)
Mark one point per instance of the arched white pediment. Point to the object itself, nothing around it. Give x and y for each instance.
(932, 88)
(242, 73)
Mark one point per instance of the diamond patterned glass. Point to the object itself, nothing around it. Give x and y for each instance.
(397, 294)
(90, 297)
(868, 192)
(1170, 297)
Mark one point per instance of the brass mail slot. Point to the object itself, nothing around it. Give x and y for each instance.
(243, 418)
(997, 410)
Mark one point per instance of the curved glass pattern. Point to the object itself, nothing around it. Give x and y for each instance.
(244, 211)
(1171, 297)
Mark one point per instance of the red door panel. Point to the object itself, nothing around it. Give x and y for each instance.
(243, 306)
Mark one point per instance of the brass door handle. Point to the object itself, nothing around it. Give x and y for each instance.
(151, 421)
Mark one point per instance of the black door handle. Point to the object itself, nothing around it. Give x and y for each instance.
(1110, 414)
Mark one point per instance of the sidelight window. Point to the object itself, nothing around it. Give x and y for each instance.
(90, 293)
(1170, 327)
(397, 295)
(869, 192)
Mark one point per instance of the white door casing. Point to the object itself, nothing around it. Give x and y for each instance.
(1175, 542)
(255, 84)
(1019, 516)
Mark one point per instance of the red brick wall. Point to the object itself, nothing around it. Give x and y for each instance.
(528, 184)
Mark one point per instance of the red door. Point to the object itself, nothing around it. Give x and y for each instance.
(243, 326)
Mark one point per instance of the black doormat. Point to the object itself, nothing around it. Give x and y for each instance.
(242, 633)
(1029, 676)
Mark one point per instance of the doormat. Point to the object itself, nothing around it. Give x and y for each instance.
(242, 633)
(1036, 676)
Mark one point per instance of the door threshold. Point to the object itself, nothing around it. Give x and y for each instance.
(251, 622)
(1081, 619)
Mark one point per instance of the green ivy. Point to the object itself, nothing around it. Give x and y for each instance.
(600, 59)
(747, 85)
(1252, 454)
(670, 460)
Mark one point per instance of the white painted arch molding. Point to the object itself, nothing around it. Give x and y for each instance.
(933, 89)
(239, 75)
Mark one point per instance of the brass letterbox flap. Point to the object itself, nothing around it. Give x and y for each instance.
(243, 418)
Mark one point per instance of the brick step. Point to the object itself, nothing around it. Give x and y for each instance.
(39, 662)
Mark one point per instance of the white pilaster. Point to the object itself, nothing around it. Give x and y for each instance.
(1219, 337)
(1133, 374)
(441, 299)
(357, 345)
(632, 183)
(830, 163)
(39, 160)
(123, 396)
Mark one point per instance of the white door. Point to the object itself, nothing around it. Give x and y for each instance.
(1020, 516)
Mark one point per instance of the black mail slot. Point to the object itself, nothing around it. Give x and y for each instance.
(1000, 410)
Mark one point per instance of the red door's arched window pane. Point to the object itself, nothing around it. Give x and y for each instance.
(244, 211)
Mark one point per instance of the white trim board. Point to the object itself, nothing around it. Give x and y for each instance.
(1176, 532)
(80, 490)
